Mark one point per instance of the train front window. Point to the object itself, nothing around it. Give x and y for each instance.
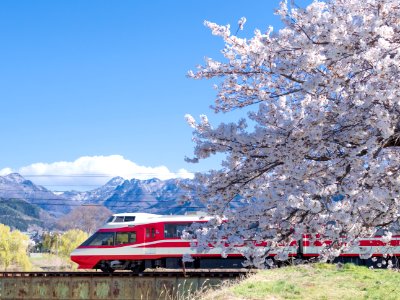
(100, 239)
(125, 238)
(119, 219)
(129, 218)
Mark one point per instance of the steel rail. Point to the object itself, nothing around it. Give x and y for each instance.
(157, 273)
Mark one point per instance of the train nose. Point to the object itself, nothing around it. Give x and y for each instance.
(83, 261)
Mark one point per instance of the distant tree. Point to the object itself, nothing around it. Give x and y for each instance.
(87, 218)
(321, 153)
(13, 248)
(70, 240)
(49, 242)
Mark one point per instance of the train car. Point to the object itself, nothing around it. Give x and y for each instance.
(136, 241)
(370, 251)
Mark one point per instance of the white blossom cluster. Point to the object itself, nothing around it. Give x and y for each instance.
(324, 154)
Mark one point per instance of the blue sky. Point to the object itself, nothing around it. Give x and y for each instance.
(96, 79)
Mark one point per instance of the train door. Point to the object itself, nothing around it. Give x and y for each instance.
(150, 234)
(150, 238)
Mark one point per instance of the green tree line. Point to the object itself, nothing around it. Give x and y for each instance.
(13, 248)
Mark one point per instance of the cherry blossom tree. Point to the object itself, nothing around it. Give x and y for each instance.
(319, 151)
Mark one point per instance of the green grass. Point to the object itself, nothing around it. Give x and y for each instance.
(281, 287)
(315, 281)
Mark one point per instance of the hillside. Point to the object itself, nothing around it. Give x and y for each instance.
(16, 187)
(312, 281)
(20, 214)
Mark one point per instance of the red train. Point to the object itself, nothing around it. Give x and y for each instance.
(136, 241)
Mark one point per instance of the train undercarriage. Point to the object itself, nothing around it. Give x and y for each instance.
(138, 266)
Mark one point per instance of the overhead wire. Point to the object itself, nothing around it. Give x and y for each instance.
(103, 175)
(72, 202)
(99, 205)
(29, 197)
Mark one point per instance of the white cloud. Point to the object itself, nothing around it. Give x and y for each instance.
(5, 171)
(89, 172)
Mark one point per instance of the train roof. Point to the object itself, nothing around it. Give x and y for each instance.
(130, 219)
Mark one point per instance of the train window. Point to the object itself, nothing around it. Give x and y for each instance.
(175, 230)
(125, 238)
(100, 239)
(129, 218)
(153, 232)
(119, 219)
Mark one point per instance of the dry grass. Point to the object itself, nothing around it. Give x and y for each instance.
(317, 281)
(51, 262)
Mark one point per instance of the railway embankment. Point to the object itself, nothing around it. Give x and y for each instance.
(311, 281)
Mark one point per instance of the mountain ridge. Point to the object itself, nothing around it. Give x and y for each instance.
(118, 195)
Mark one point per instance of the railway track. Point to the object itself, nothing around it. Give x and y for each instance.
(209, 273)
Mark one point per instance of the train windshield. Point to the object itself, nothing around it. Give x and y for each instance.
(111, 239)
(119, 219)
(100, 239)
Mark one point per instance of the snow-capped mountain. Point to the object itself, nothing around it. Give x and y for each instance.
(153, 196)
(97, 195)
(118, 194)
